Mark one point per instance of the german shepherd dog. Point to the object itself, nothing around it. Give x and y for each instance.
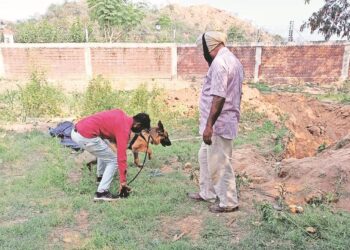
(156, 135)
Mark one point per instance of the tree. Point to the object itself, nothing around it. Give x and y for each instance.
(164, 21)
(35, 31)
(77, 32)
(235, 34)
(332, 19)
(115, 16)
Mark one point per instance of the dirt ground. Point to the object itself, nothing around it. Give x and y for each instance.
(304, 175)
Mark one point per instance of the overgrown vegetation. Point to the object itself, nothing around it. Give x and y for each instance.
(338, 94)
(10, 105)
(38, 98)
(99, 96)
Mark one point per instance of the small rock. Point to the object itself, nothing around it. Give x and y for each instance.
(277, 207)
(311, 230)
(187, 165)
(274, 136)
(295, 209)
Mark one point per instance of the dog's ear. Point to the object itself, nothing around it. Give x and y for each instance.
(160, 126)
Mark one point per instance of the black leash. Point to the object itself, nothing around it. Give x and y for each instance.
(144, 160)
(133, 140)
(125, 191)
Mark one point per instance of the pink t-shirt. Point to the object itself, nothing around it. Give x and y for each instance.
(224, 79)
(113, 125)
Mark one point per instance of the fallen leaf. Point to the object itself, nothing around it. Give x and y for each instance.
(177, 237)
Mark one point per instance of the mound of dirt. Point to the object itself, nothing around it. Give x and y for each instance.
(311, 122)
(323, 178)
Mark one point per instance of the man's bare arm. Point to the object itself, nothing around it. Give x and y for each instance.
(215, 110)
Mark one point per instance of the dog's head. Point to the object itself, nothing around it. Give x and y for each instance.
(162, 135)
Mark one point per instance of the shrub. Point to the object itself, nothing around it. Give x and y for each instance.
(151, 102)
(99, 96)
(10, 109)
(38, 99)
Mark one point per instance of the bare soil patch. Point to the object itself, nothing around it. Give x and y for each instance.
(190, 226)
(75, 237)
(16, 221)
(166, 169)
(312, 123)
(323, 178)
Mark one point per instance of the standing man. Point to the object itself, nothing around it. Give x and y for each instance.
(219, 116)
(90, 134)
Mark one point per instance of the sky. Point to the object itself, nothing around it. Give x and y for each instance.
(271, 15)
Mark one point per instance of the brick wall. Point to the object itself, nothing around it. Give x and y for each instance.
(326, 62)
(191, 62)
(246, 54)
(131, 62)
(301, 63)
(57, 63)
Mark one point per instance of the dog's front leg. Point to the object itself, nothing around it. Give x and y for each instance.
(136, 159)
(149, 152)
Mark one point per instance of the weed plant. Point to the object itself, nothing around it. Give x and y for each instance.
(39, 99)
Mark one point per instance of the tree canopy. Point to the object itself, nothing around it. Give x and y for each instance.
(115, 16)
(332, 19)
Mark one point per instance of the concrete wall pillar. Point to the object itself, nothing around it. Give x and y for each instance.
(88, 64)
(2, 65)
(174, 61)
(346, 63)
(258, 52)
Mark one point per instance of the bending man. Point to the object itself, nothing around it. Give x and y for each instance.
(115, 126)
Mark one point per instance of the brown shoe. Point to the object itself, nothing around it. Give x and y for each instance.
(217, 209)
(195, 196)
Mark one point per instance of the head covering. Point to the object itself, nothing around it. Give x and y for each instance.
(212, 38)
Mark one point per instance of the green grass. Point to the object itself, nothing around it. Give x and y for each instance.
(42, 199)
(339, 94)
(39, 203)
(343, 98)
(270, 229)
(262, 87)
(262, 133)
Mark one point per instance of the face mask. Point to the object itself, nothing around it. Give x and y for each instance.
(206, 51)
(136, 129)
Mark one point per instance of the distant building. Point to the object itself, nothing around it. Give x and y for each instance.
(6, 34)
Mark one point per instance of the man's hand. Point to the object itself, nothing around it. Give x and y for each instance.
(124, 190)
(207, 134)
(215, 110)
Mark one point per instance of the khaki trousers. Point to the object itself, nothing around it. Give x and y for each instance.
(217, 177)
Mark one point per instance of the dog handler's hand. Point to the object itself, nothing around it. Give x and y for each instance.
(124, 190)
(207, 134)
